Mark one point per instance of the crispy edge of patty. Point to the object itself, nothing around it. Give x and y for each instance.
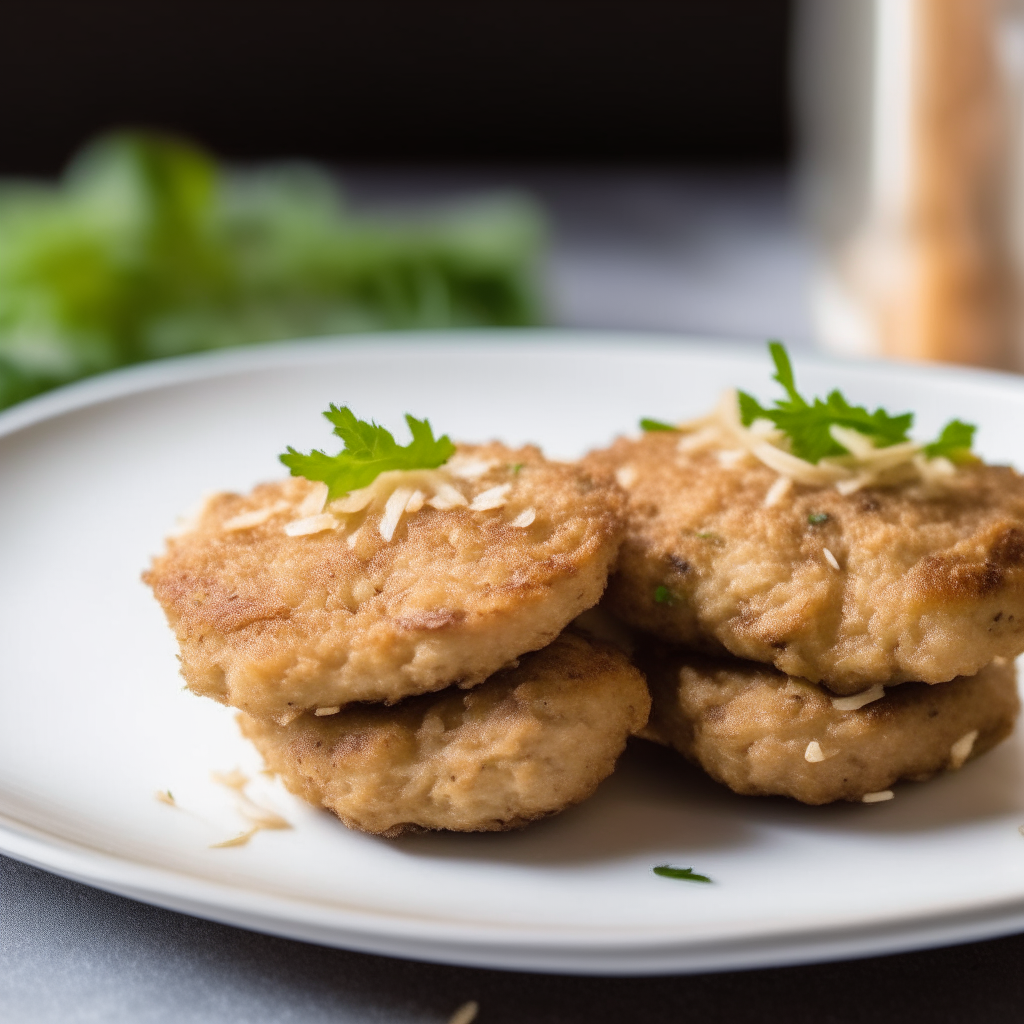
(526, 744)
(269, 624)
(930, 585)
(749, 726)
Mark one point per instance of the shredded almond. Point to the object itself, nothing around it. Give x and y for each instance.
(625, 476)
(961, 750)
(778, 491)
(310, 525)
(240, 840)
(524, 518)
(405, 492)
(314, 502)
(321, 712)
(495, 497)
(856, 443)
(730, 457)
(393, 510)
(877, 798)
(246, 520)
(235, 779)
(830, 558)
(702, 437)
(446, 496)
(854, 484)
(256, 517)
(466, 1013)
(355, 501)
(469, 469)
(858, 700)
(866, 464)
(261, 817)
(813, 753)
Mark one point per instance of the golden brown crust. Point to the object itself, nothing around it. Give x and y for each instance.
(525, 744)
(275, 624)
(750, 727)
(930, 583)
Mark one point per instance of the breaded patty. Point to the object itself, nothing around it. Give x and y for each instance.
(525, 744)
(764, 733)
(275, 624)
(878, 586)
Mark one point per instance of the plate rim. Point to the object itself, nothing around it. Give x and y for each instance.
(146, 376)
(468, 943)
(495, 947)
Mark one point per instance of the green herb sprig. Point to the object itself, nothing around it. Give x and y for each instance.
(650, 426)
(686, 874)
(954, 442)
(807, 424)
(369, 451)
(149, 247)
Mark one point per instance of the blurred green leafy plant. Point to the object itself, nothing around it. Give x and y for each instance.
(148, 248)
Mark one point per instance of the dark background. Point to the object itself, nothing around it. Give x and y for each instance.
(610, 81)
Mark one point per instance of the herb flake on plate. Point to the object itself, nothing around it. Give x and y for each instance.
(685, 874)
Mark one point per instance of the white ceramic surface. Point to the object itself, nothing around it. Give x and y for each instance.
(93, 719)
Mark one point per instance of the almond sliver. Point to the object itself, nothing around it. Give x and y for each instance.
(314, 502)
(310, 525)
(447, 496)
(495, 497)
(393, 511)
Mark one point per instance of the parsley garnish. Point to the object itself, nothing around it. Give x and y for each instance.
(651, 425)
(369, 451)
(687, 874)
(817, 518)
(807, 425)
(954, 442)
(662, 595)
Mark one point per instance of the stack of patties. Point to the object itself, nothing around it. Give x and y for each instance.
(397, 650)
(791, 594)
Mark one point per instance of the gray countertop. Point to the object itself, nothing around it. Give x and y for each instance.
(712, 254)
(72, 954)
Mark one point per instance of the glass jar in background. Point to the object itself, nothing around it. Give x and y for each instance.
(912, 175)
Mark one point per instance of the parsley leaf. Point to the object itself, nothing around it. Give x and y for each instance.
(784, 372)
(662, 595)
(369, 451)
(649, 425)
(817, 518)
(807, 424)
(954, 442)
(687, 874)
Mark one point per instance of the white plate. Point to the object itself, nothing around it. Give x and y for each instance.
(94, 719)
